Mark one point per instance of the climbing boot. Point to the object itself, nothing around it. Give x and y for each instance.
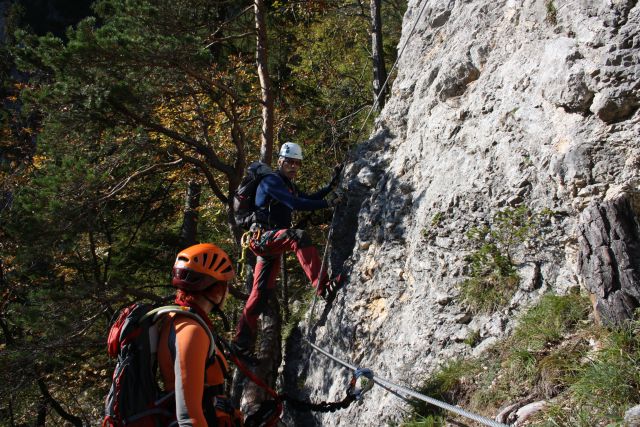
(330, 288)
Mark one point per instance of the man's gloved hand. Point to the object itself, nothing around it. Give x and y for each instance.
(335, 179)
(335, 198)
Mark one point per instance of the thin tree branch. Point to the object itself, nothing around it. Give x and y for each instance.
(7, 332)
(211, 156)
(225, 23)
(227, 38)
(95, 258)
(141, 172)
(76, 421)
(146, 211)
(207, 173)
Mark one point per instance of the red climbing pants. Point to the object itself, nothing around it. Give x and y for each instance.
(269, 247)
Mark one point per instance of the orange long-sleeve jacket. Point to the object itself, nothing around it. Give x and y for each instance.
(198, 383)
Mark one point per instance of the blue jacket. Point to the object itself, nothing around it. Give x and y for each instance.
(277, 197)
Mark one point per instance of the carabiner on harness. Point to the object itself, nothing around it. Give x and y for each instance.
(244, 244)
(366, 383)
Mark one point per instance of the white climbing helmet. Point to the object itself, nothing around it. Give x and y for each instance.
(291, 150)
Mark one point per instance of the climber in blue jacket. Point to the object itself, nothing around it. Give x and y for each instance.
(276, 199)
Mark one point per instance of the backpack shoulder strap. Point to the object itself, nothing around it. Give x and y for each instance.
(156, 313)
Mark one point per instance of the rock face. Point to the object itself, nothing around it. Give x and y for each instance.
(496, 104)
(608, 261)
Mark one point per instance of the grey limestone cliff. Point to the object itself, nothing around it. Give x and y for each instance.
(496, 104)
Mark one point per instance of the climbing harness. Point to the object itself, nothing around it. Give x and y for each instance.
(404, 392)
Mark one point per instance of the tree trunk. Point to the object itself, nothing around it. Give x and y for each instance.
(377, 54)
(285, 288)
(262, 58)
(189, 232)
(607, 262)
(270, 351)
(239, 381)
(42, 413)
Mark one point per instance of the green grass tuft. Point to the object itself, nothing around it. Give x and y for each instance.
(428, 421)
(552, 12)
(549, 356)
(549, 321)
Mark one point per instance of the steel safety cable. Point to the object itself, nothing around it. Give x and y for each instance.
(399, 390)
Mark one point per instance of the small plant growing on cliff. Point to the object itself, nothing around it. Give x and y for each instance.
(492, 277)
(435, 223)
(446, 385)
(552, 12)
(473, 338)
(437, 219)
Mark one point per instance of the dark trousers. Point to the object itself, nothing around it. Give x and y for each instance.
(269, 247)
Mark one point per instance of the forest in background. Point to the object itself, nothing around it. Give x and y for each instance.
(123, 127)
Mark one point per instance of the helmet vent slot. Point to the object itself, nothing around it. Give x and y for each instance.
(222, 262)
(213, 260)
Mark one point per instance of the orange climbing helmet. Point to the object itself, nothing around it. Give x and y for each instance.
(199, 266)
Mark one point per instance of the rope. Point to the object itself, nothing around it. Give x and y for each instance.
(323, 263)
(384, 86)
(399, 390)
(352, 395)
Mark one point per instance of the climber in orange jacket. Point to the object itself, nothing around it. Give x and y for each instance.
(200, 275)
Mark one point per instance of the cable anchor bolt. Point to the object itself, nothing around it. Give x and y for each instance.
(361, 382)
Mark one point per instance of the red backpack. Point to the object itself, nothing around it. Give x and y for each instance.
(135, 399)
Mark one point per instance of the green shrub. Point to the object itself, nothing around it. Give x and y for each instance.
(493, 279)
(473, 338)
(428, 421)
(530, 355)
(437, 219)
(550, 355)
(530, 361)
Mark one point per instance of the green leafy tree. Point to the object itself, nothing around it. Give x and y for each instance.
(155, 76)
(131, 105)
